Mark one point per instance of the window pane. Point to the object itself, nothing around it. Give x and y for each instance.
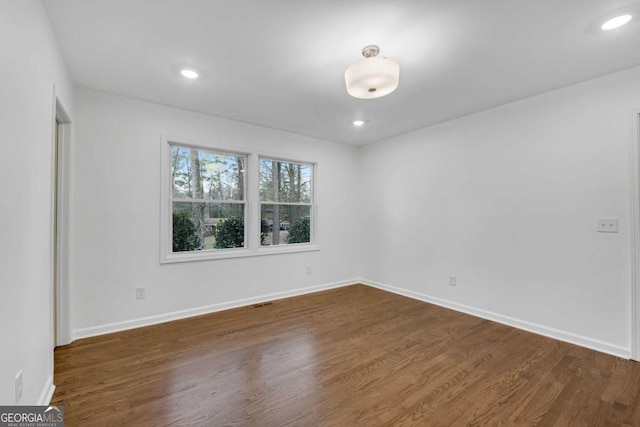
(207, 226)
(294, 224)
(199, 174)
(285, 182)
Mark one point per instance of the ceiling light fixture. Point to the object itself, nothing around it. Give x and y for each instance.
(358, 122)
(616, 22)
(190, 74)
(373, 76)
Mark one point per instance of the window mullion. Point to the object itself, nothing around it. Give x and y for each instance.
(267, 202)
(187, 200)
(253, 197)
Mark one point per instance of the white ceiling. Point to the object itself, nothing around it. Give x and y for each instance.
(280, 63)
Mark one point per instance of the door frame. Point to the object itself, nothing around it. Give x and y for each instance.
(634, 155)
(60, 164)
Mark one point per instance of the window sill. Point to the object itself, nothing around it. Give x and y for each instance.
(238, 253)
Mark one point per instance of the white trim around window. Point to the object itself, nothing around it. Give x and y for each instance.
(251, 201)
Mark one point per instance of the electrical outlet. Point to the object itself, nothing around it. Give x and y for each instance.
(18, 386)
(607, 225)
(452, 280)
(308, 269)
(141, 292)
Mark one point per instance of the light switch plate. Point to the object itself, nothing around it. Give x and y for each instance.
(607, 225)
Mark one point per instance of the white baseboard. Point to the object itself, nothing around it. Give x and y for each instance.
(47, 392)
(176, 315)
(557, 334)
(569, 337)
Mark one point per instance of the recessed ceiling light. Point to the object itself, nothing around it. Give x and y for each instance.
(616, 22)
(358, 122)
(190, 74)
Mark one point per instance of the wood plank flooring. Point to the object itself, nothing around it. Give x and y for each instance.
(344, 357)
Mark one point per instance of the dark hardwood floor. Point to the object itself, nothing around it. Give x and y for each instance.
(349, 356)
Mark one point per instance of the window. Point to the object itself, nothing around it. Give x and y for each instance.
(221, 204)
(285, 202)
(207, 200)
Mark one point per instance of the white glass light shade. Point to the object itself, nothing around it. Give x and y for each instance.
(372, 77)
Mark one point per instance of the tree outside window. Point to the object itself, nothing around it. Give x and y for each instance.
(286, 201)
(208, 199)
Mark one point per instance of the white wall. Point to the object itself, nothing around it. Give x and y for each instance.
(115, 210)
(507, 200)
(30, 65)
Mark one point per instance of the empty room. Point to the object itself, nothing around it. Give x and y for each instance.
(320, 213)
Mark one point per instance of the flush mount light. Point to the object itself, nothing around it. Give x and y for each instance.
(358, 122)
(616, 22)
(190, 74)
(373, 76)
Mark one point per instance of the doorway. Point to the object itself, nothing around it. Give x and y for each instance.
(635, 235)
(60, 226)
(56, 171)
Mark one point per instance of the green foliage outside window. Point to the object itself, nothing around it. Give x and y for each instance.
(185, 237)
(230, 233)
(300, 231)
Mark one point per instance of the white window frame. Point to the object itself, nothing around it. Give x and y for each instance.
(252, 206)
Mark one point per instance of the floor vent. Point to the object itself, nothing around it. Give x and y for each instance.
(262, 305)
